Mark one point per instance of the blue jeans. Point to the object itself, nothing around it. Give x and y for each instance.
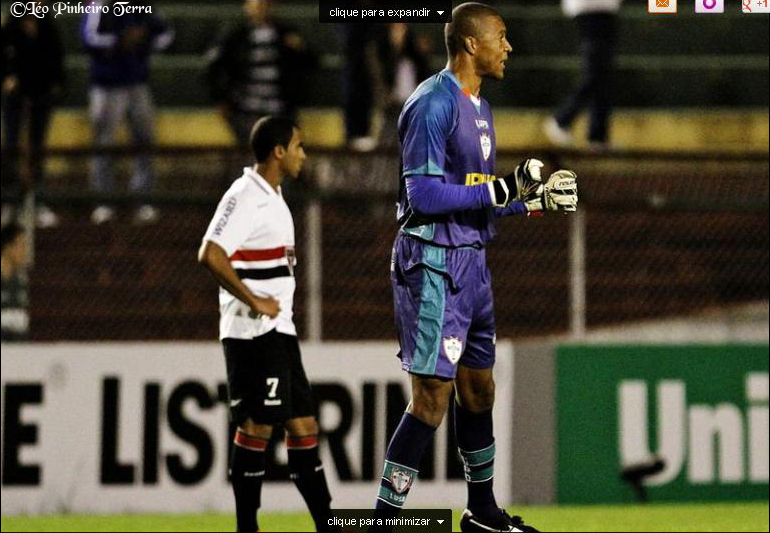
(109, 106)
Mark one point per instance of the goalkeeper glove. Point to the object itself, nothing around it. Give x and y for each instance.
(523, 184)
(561, 191)
(558, 194)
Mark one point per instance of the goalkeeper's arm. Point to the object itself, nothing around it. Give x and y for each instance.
(514, 208)
(428, 195)
(520, 192)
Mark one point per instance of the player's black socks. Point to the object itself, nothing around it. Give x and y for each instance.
(306, 471)
(247, 469)
(477, 449)
(406, 448)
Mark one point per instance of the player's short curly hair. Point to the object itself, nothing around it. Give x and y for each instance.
(269, 132)
(464, 24)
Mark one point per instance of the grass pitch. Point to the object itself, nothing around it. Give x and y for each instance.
(653, 517)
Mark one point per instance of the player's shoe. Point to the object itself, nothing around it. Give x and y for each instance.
(46, 218)
(556, 134)
(146, 214)
(102, 214)
(502, 522)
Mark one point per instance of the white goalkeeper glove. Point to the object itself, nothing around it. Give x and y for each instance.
(561, 191)
(558, 194)
(522, 185)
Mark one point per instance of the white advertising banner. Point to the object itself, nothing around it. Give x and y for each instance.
(142, 427)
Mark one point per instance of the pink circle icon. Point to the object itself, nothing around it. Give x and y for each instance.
(710, 6)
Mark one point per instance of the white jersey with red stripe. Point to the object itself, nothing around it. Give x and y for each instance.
(254, 226)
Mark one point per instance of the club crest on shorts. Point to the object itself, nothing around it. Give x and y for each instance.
(453, 349)
(401, 480)
(486, 145)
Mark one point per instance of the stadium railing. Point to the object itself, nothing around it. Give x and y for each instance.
(658, 234)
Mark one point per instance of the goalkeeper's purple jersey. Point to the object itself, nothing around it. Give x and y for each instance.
(446, 132)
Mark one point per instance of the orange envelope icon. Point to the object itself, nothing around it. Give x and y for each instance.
(661, 3)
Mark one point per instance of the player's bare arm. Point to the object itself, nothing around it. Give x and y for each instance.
(213, 257)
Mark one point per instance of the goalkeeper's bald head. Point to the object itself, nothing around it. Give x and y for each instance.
(466, 22)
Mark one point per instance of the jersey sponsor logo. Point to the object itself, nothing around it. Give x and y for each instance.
(486, 145)
(222, 222)
(453, 349)
(482, 124)
(477, 178)
(401, 480)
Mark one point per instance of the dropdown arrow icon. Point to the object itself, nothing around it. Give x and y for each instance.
(437, 520)
(439, 12)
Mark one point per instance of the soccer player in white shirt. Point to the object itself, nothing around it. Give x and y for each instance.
(249, 248)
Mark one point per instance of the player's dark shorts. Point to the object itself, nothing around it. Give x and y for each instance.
(444, 309)
(265, 379)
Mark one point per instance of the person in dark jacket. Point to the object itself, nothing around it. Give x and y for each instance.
(120, 46)
(33, 80)
(259, 68)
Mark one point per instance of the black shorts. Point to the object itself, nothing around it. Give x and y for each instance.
(265, 379)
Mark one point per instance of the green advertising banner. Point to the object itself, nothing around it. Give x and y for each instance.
(702, 409)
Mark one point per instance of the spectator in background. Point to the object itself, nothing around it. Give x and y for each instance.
(597, 22)
(33, 80)
(359, 42)
(120, 48)
(13, 264)
(259, 68)
(405, 60)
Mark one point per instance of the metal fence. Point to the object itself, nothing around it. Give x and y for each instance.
(656, 235)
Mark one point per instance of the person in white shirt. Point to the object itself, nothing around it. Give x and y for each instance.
(597, 22)
(249, 248)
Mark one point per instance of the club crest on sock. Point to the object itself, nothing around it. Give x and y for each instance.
(401, 480)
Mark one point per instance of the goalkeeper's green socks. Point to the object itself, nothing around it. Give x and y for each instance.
(477, 450)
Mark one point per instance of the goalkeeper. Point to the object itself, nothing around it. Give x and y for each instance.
(448, 200)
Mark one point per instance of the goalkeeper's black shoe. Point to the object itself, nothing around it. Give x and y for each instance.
(502, 522)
